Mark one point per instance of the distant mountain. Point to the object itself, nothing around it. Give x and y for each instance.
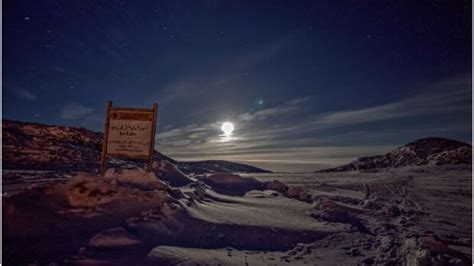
(48, 147)
(218, 166)
(426, 151)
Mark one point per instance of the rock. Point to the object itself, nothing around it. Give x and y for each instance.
(332, 211)
(461, 155)
(336, 210)
(294, 192)
(199, 189)
(86, 192)
(176, 193)
(49, 147)
(305, 197)
(113, 182)
(434, 245)
(455, 262)
(231, 184)
(114, 238)
(90, 191)
(370, 205)
(368, 261)
(386, 244)
(170, 173)
(354, 252)
(277, 186)
(393, 211)
(297, 192)
(437, 261)
(426, 151)
(135, 177)
(423, 258)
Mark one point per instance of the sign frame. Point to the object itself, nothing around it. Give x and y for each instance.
(105, 155)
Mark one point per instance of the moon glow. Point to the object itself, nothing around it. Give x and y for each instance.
(227, 128)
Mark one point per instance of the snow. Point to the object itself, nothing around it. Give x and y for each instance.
(391, 216)
(258, 208)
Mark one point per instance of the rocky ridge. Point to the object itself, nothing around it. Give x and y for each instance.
(33, 146)
(426, 151)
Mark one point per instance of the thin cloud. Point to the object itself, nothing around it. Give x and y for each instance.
(451, 99)
(27, 95)
(227, 76)
(283, 131)
(445, 97)
(257, 56)
(284, 109)
(75, 111)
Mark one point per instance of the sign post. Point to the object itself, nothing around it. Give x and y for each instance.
(129, 133)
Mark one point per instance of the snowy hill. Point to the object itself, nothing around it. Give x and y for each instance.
(32, 146)
(426, 151)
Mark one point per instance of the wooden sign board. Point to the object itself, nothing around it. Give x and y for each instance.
(129, 133)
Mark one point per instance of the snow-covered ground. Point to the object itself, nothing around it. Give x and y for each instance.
(414, 216)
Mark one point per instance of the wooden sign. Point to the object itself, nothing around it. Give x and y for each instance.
(129, 133)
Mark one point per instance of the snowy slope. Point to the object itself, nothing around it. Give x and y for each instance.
(426, 151)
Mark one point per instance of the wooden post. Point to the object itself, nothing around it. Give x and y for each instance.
(103, 157)
(152, 144)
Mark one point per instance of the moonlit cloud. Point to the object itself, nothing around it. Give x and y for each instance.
(444, 97)
(284, 109)
(310, 83)
(283, 133)
(26, 95)
(226, 76)
(75, 111)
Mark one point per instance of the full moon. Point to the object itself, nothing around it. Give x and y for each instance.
(227, 128)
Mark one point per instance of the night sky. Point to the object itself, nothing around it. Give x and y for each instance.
(307, 84)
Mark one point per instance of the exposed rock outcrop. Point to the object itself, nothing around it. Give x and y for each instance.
(33, 146)
(427, 151)
(233, 184)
